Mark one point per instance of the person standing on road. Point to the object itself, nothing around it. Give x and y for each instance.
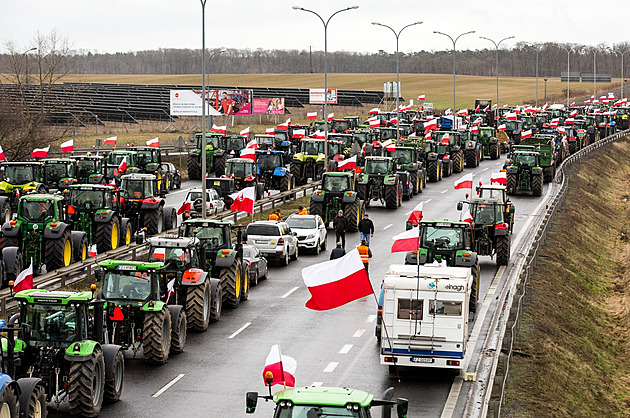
(366, 254)
(337, 252)
(366, 228)
(340, 224)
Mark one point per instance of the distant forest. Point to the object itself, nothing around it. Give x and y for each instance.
(519, 61)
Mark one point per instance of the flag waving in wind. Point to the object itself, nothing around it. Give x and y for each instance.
(282, 367)
(40, 152)
(465, 182)
(406, 241)
(244, 200)
(24, 280)
(416, 214)
(67, 146)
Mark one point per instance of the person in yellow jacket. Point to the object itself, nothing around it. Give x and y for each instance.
(365, 253)
(273, 216)
(303, 211)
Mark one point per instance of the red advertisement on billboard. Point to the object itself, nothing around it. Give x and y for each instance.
(269, 106)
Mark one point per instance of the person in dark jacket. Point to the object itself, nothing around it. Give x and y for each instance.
(340, 224)
(337, 252)
(366, 228)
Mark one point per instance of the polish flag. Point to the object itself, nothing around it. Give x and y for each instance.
(445, 139)
(40, 152)
(92, 252)
(554, 122)
(595, 101)
(170, 288)
(510, 116)
(561, 129)
(573, 113)
(465, 182)
(2, 156)
(67, 146)
(416, 214)
(477, 121)
(545, 107)
(219, 129)
(611, 95)
(572, 104)
(270, 131)
(245, 132)
(499, 178)
(248, 153)
(311, 115)
(389, 145)
(348, 164)
(569, 121)
(331, 116)
(24, 280)
(517, 111)
(463, 112)
(448, 112)
(421, 97)
(283, 127)
(502, 127)
(154, 143)
(123, 165)
(406, 241)
(336, 282)
(111, 140)
(244, 200)
(374, 122)
(281, 367)
(159, 253)
(374, 111)
(496, 105)
(319, 134)
(474, 130)
(185, 207)
(468, 217)
(477, 109)
(587, 102)
(299, 133)
(393, 120)
(252, 144)
(485, 109)
(526, 134)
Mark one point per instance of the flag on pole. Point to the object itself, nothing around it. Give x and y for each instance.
(154, 143)
(421, 97)
(244, 200)
(281, 367)
(474, 129)
(219, 129)
(374, 122)
(40, 152)
(331, 116)
(502, 127)
(465, 182)
(252, 144)
(406, 241)
(298, 133)
(569, 121)
(336, 282)
(468, 217)
(416, 214)
(510, 116)
(526, 134)
(311, 115)
(554, 122)
(170, 287)
(111, 140)
(499, 178)
(123, 165)
(270, 131)
(245, 132)
(2, 156)
(92, 252)
(248, 153)
(283, 127)
(185, 207)
(24, 280)
(67, 146)
(159, 253)
(348, 164)
(374, 111)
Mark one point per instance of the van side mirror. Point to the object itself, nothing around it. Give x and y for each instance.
(402, 405)
(250, 402)
(460, 206)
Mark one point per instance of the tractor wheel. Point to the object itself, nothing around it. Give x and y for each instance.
(391, 196)
(511, 183)
(58, 252)
(114, 377)
(107, 235)
(231, 277)
(156, 336)
(458, 163)
(219, 166)
(216, 305)
(316, 208)
(319, 172)
(474, 289)
(126, 234)
(414, 182)
(284, 183)
(80, 247)
(198, 301)
(193, 167)
(537, 185)
(352, 214)
(12, 260)
(178, 329)
(154, 220)
(245, 281)
(36, 407)
(296, 173)
(495, 152)
(434, 171)
(170, 218)
(9, 403)
(448, 170)
(5, 212)
(361, 191)
(471, 159)
(572, 147)
(86, 385)
(503, 250)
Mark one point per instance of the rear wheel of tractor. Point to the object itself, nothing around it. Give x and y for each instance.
(219, 166)
(58, 252)
(154, 221)
(9, 403)
(284, 183)
(352, 215)
(198, 301)
(36, 407)
(12, 260)
(414, 180)
(245, 281)
(503, 250)
(434, 171)
(125, 232)
(361, 191)
(231, 278)
(319, 172)
(391, 196)
(114, 378)
(495, 152)
(511, 183)
(156, 336)
(80, 249)
(170, 218)
(86, 385)
(296, 173)
(458, 163)
(178, 331)
(107, 235)
(572, 147)
(537, 185)
(6, 212)
(471, 159)
(193, 167)
(217, 304)
(316, 208)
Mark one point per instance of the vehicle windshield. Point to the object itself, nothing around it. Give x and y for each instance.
(487, 214)
(88, 199)
(235, 144)
(442, 149)
(211, 236)
(86, 168)
(212, 141)
(301, 223)
(335, 148)
(404, 155)
(486, 133)
(172, 257)
(340, 125)
(311, 411)
(386, 134)
(114, 159)
(269, 161)
(127, 285)
(491, 193)
(376, 166)
(18, 174)
(145, 157)
(138, 189)
(524, 159)
(37, 211)
(312, 147)
(239, 169)
(336, 183)
(428, 146)
(360, 138)
(56, 171)
(57, 323)
(442, 238)
(511, 125)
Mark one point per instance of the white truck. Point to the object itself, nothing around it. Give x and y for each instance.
(426, 312)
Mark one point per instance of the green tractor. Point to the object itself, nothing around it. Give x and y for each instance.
(545, 145)
(524, 172)
(489, 142)
(61, 343)
(113, 162)
(18, 178)
(379, 180)
(433, 162)
(215, 155)
(334, 194)
(59, 172)
(408, 160)
(90, 169)
(309, 161)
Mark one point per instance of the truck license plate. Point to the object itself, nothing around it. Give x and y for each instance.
(421, 360)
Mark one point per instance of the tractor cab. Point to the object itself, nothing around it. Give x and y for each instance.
(139, 186)
(239, 168)
(234, 144)
(89, 168)
(84, 198)
(59, 173)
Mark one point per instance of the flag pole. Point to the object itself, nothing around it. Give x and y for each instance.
(284, 382)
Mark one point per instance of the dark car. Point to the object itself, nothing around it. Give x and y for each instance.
(257, 264)
(173, 174)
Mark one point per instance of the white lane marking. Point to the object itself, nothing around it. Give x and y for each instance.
(239, 330)
(428, 200)
(317, 384)
(388, 226)
(359, 333)
(499, 162)
(168, 385)
(289, 292)
(485, 169)
(345, 349)
(444, 191)
(331, 366)
(370, 318)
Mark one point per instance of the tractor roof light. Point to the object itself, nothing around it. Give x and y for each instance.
(269, 377)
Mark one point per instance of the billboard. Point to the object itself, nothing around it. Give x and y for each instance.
(316, 96)
(219, 102)
(270, 106)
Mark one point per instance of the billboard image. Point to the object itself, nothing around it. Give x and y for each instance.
(269, 106)
(188, 103)
(316, 96)
(219, 102)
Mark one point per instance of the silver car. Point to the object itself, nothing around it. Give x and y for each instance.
(311, 232)
(275, 240)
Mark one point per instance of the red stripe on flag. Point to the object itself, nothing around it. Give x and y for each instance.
(338, 293)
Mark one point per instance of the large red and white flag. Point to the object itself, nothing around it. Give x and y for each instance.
(40, 152)
(468, 217)
(502, 127)
(573, 113)
(244, 200)
(406, 241)
(282, 368)
(526, 134)
(331, 116)
(389, 145)
(24, 280)
(2, 156)
(123, 165)
(477, 121)
(462, 112)
(67, 146)
(311, 115)
(336, 282)
(154, 143)
(465, 182)
(185, 207)
(554, 122)
(283, 126)
(374, 122)
(252, 144)
(248, 153)
(561, 129)
(374, 111)
(499, 178)
(416, 214)
(159, 253)
(422, 97)
(298, 133)
(510, 116)
(270, 131)
(569, 121)
(587, 102)
(93, 251)
(446, 138)
(348, 164)
(545, 107)
(219, 129)
(111, 140)
(319, 134)
(245, 132)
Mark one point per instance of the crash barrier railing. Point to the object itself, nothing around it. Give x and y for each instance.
(84, 269)
(494, 365)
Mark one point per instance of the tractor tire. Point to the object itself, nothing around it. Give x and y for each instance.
(245, 281)
(503, 250)
(471, 159)
(86, 385)
(391, 197)
(216, 305)
(156, 336)
(458, 162)
(198, 301)
(572, 148)
(434, 171)
(448, 170)
(80, 247)
(495, 152)
(114, 378)
(36, 406)
(219, 166)
(231, 278)
(178, 329)
(58, 252)
(352, 213)
(154, 221)
(414, 182)
(474, 289)
(12, 260)
(361, 191)
(316, 208)
(537, 185)
(296, 173)
(126, 233)
(5, 213)
(511, 183)
(170, 218)
(319, 172)
(194, 171)
(284, 183)
(107, 235)
(9, 402)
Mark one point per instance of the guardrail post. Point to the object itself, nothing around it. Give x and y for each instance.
(133, 253)
(3, 306)
(89, 272)
(63, 280)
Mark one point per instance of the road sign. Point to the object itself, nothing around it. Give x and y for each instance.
(180, 145)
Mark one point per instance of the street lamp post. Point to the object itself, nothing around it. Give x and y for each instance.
(545, 88)
(325, 23)
(622, 80)
(26, 63)
(454, 42)
(204, 197)
(397, 35)
(496, 46)
(568, 72)
(594, 72)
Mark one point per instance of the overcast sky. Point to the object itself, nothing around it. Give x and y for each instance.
(134, 25)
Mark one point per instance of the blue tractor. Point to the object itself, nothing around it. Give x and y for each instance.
(272, 171)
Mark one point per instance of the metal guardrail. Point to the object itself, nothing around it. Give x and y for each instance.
(83, 269)
(510, 304)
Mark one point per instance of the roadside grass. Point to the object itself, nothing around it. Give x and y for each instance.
(572, 347)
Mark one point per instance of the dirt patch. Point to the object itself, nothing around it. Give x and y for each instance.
(575, 323)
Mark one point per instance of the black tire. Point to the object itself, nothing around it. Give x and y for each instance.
(154, 220)
(503, 250)
(572, 148)
(156, 336)
(193, 167)
(58, 251)
(414, 182)
(391, 196)
(218, 165)
(198, 301)
(352, 214)
(170, 219)
(9, 402)
(361, 191)
(296, 173)
(253, 278)
(319, 172)
(80, 248)
(86, 385)
(434, 171)
(114, 378)
(285, 260)
(448, 170)
(294, 257)
(471, 158)
(511, 183)
(284, 183)
(458, 163)
(324, 245)
(178, 329)
(474, 289)
(316, 208)
(5, 212)
(12, 259)
(36, 406)
(107, 235)
(231, 280)
(537, 185)
(495, 152)
(126, 233)
(217, 304)
(245, 283)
